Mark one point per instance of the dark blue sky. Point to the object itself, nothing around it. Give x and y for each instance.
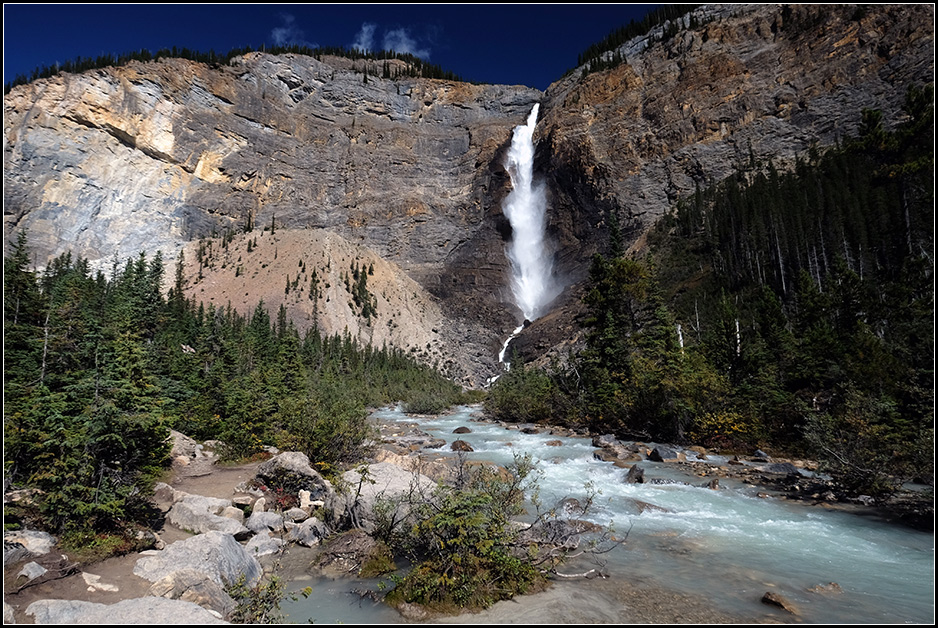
(512, 44)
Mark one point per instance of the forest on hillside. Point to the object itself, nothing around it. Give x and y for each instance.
(98, 368)
(789, 310)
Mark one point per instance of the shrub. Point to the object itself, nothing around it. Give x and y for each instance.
(330, 426)
(427, 403)
(380, 561)
(525, 395)
(258, 604)
(866, 449)
(464, 545)
(87, 547)
(725, 429)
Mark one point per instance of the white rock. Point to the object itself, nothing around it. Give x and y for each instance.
(32, 570)
(94, 583)
(146, 610)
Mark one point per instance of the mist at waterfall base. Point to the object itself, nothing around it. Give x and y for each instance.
(532, 281)
(729, 546)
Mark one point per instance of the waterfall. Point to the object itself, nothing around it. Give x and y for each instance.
(501, 354)
(532, 281)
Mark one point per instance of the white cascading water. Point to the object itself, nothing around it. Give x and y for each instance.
(532, 281)
(501, 354)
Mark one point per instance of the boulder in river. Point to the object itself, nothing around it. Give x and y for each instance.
(662, 453)
(785, 468)
(636, 475)
(779, 601)
(571, 506)
(643, 506)
(558, 533)
(606, 441)
(761, 456)
(830, 587)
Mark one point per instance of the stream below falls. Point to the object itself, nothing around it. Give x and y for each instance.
(729, 546)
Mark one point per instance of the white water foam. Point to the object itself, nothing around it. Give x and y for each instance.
(532, 280)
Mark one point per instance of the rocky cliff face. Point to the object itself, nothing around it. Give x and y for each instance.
(154, 155)
(182, 149)
(750, 82)
(754, 82)
(150, 156)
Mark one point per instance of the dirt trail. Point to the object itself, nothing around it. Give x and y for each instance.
(199, 477)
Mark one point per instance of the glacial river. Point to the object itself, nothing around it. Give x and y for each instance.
(729, 545)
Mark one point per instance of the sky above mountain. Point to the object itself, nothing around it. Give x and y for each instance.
(512, 44)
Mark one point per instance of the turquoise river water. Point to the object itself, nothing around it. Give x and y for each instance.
(729, 545)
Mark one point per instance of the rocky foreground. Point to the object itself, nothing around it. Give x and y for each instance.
(227, 523)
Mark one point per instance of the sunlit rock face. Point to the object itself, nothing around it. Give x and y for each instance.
(747, 82)
(152, 156)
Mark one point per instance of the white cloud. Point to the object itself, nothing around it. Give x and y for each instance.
(289, 33)
(364, 40)
(399, 40)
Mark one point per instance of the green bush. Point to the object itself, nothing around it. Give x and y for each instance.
(88, 547)
(866, 449)
(427, 403)
(526, 395)
(464, 546)
(258, 604)
(329, 425)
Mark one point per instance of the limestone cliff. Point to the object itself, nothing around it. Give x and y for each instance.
(751, 81)
(408, 173)
(172, 150)
(150, 156)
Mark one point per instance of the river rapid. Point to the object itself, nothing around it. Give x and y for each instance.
(728, 546)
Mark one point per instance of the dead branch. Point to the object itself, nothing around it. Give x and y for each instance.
(589, 575)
